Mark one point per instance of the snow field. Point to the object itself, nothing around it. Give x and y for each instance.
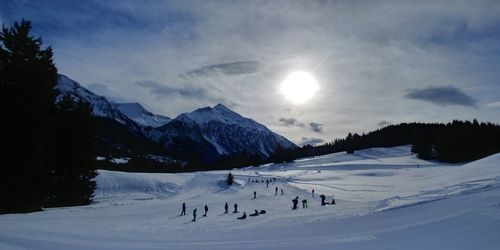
(386, 199)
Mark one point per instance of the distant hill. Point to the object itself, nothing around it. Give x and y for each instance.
(457, 141)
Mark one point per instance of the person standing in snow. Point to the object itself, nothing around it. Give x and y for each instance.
(295, 201)
(226, 207)
(254, 194)
(313, 192)
(206, 210)
(183, 209)
(304, 203)
(194, 214)
(267, 183)
(282, 193)
(235, 208)
(276, 191)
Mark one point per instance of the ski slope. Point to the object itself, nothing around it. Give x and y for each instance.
(386, 199)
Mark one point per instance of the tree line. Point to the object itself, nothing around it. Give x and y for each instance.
(456, 141)
(453, 142)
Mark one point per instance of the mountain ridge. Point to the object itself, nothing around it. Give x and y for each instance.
(205, 134)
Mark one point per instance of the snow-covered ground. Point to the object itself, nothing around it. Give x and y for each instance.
(386, 199)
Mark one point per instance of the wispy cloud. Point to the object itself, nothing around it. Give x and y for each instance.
(316, 127)
(157, 88)
(104, 90)
(311, 141)
(291, 122)
(383, 123)
(442, 96)
(493, 105)
(231, 68)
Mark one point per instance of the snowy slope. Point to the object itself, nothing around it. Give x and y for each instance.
(223, 130)
(386, 199)
(139, 114)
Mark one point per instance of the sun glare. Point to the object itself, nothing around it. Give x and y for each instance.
(299, 87)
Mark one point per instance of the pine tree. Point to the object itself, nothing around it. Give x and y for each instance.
(72, 179)
(27, 80)
(230, 179)
(47, 152)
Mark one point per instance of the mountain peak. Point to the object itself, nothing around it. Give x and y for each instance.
(221, 107)
(218, 113)
(139, 114)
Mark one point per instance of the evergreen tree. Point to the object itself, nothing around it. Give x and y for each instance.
(47, 151)
(72, 179)
(27, 80)
(230, 179)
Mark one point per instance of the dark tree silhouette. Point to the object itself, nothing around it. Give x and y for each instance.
(72, 179)
(27, 80)
(44, 148)
(457, 141)
(229, 179)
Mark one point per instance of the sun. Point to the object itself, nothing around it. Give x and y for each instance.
(299, 87)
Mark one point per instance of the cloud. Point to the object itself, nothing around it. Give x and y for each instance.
(240, 51)
(311, 141)
(104, 90)
(157, 88)
(442, 96)
(384, 123)
(232, 68)
(493, 105)
(316, 127)
(291, 122)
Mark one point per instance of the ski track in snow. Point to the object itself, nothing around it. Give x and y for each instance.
(386, 199)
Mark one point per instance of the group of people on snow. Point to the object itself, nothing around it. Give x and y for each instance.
(295, 202)
(226, 210)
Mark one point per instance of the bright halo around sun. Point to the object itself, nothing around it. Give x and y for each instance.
(299, 87)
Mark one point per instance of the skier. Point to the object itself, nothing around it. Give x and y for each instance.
(226, 207)
(244, 216)
(235, 208)
(274, 179)
(313, 192)
(304, 203)
(262, 211)
(267, 183)
(254, 194)
(295, 201)
(256, 213)
(183, 209)
(323, 197)
(194, 214)
(206, 210)
(282, 193)
(333, 201)
(276, 191)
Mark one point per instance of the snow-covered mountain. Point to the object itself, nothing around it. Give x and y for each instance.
(101, 106)
(203, 134)
(139, 114)
(221, 130)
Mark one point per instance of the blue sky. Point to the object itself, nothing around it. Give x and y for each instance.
(376, 62)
